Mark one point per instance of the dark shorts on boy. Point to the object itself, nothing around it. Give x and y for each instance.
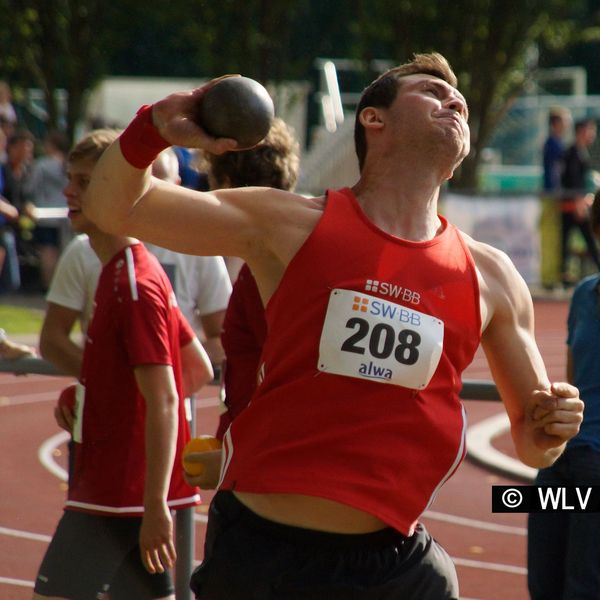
(91, 554)
(251, 558)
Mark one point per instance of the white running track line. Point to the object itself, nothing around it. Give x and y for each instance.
(46, 454)
(27, 535)
(18, 399)
(475, 523)
(17, 582)
(477, 564)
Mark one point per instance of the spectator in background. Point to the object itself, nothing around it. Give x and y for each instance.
(10, 279)
(12, 173)
(191, 177)
(44, 189)
(7, 110)
(3, 143)
(273, 163)
(558, 123)
(563, 549)
(17, 169)
(576, 198)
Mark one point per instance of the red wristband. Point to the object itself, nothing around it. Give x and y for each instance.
(140, 142)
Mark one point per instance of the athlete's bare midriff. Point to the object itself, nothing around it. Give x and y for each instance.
(310, 512)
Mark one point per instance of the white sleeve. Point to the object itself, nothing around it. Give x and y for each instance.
(211, 285)
(70, 286)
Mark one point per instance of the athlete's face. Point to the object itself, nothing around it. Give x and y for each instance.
(78, 176)
(428, 110)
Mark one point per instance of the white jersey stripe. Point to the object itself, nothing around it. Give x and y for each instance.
(226, 455)
(128, 509)
(131, 273)
(457, 459)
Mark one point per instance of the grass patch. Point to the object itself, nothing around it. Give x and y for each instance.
(16, 320)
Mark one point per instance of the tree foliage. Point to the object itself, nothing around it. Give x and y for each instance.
(54, 44)
(72, 43)
(488, 42)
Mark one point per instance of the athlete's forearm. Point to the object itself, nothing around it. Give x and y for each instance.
(161, 439)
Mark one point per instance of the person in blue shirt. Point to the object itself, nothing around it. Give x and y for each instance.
(550, 224)
(563, 549)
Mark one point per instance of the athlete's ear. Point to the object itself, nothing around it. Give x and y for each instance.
(370, 117)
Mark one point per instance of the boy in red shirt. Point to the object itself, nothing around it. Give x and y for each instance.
(140, 360)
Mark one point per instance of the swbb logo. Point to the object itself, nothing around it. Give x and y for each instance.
(390, 289)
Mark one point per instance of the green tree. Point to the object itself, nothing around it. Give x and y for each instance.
(488, 43)
(54, 44)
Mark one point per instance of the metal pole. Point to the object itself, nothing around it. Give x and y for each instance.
(185, 532)
(184, 544)
(25, 366)
(479, 389)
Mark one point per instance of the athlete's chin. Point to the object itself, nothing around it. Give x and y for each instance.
(455, 150)
(79, 224)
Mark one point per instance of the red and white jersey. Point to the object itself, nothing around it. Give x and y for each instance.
(136, 322)
(368, 337)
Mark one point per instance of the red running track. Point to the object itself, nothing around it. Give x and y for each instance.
(489, 549)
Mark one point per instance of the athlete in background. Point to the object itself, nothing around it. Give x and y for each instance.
(141, 357)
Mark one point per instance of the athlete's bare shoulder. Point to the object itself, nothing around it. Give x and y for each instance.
(490, 261)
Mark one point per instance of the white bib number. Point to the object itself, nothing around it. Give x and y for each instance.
(370, 338)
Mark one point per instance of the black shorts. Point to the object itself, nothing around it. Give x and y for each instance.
(91, 554)
(251, 558)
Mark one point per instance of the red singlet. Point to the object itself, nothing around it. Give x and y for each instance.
(368, 337)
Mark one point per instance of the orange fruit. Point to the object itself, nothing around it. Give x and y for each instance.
(204, 443)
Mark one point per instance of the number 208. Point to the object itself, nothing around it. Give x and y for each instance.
(382, 341)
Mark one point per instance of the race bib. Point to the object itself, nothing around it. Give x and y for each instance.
(77, 424)
(370, 338)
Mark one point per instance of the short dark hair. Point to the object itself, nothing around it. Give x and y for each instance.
(383, 91)
(58, 140)
(556, 116)
(20, 135)
(583, 123)
(273, 163)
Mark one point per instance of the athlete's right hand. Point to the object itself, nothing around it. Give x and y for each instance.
(208, 479)
(174, 117)
(64, 411)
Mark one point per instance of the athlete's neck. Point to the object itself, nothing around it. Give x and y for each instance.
(106, 246)
(401, 208)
